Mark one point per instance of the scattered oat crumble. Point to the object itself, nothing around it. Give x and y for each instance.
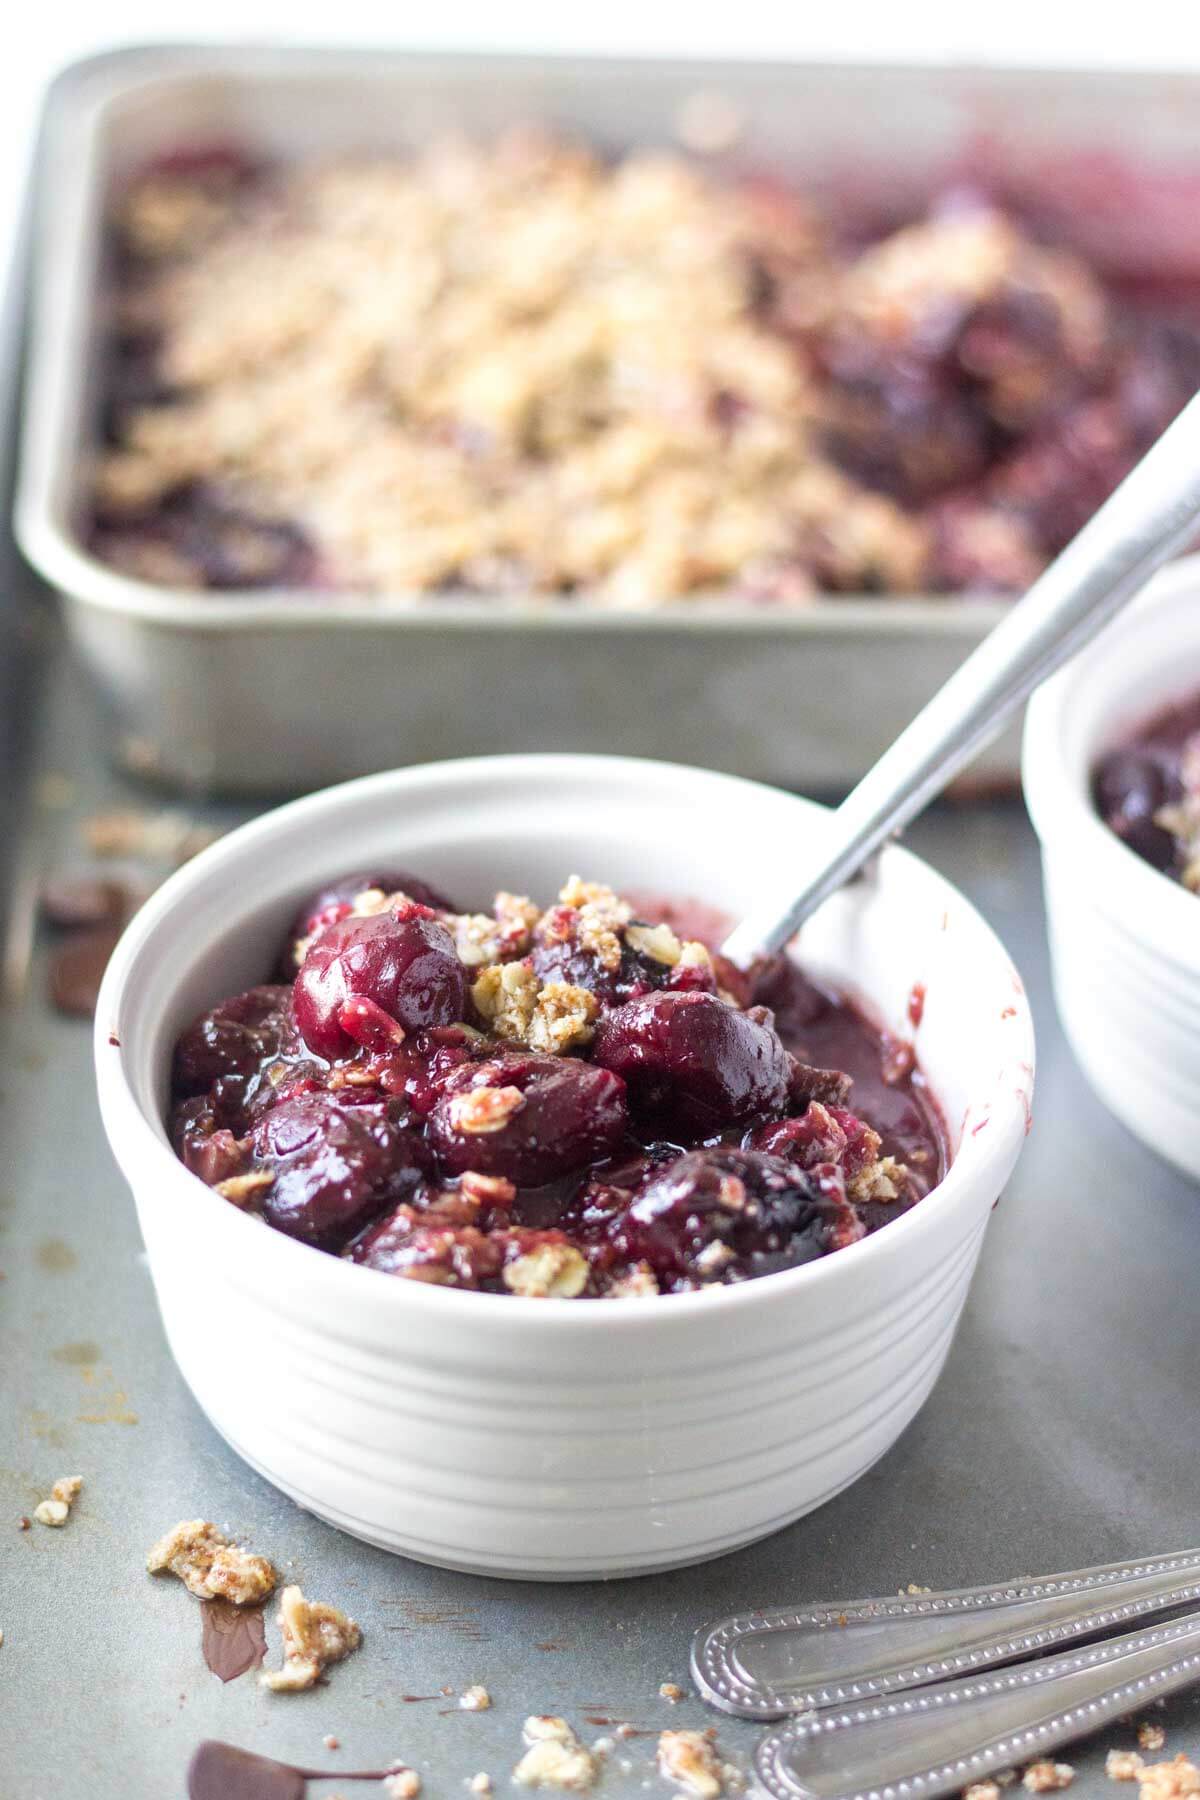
(1047, 1777)
(1150, 1735)
(57, 1509)
(330, 1742)
(671, 1690)
(689, 1760)
(912, 1590)
(24, 1523)
(475, 1699)
(404, 1784)
(1178, 1779)
(481, 1783)
(982, 1790)
(314, 1636)
(1123, 1765)
(555, 1757)
(210, 1567)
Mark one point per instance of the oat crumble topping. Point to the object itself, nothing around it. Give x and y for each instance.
(555, 1757)
(689, 1759)
(1123, 1765)
(475, 1699)
(671, 1690)
(1047, 1777)
(314, 1637)
(481, 1783)
(211, 1567)
(982, 1790)
(552, 1271)
(485, 1109)
(1150, 1735)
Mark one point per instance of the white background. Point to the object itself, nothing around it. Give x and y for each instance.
(40, 36)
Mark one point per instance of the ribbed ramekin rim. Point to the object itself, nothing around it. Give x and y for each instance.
(981, 1162)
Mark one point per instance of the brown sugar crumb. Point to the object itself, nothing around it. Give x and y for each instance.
(330, 1742)
(689, 1760)
(314, 1637)
(57, 1509)
(671, 1690)
(1150, 1735)
(403, 1784)
(982, 1790)
(24, 1523)
(210, 1567)
(475, 1698)
(1178, 1779)
(1123, 1765)
(555, 1758)
(1048, 1777)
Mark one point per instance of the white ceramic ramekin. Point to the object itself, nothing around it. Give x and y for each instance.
(561, 1439)
(1124, 939)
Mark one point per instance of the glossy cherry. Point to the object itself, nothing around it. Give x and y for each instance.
(402, 960)
(336, 1162)
(722, 1212)
(694, 1059)
(552, 1115)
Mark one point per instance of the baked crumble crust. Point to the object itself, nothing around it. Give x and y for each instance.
(210, 1566)
(314, 1637)
(1123, 1765)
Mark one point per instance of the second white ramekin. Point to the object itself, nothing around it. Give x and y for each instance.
(1124, 939)
(561, 1439)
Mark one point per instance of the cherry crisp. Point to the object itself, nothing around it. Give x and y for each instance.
(577, 1101)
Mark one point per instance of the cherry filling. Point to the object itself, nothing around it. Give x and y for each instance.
(1148, 791)
(563, 1102)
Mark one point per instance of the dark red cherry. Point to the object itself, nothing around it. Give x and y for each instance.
(530, 1118)
(326, 905)
(234, 1039)
(694, 1059)
(336, 1162)
(723, 1213)
(404, 961)
(1130, 786)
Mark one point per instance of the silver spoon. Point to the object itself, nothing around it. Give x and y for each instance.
(767, 1664)
(1152, 515)
(939, 1740)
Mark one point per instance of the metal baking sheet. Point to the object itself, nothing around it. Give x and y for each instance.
(203, 690)
(1063, 1431)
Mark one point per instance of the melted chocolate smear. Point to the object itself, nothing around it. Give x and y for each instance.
(77, 969)
(223, 1772)
(234, 1638)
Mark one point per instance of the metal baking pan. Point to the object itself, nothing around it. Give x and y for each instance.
(279, 691)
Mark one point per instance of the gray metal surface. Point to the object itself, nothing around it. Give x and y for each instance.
(1063, 1433)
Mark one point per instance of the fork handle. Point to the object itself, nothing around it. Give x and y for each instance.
(941, 1739)
(764, 1665)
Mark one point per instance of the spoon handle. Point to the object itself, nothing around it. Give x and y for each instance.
(764, 1665)
(943, 1738)
(1149, 517)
